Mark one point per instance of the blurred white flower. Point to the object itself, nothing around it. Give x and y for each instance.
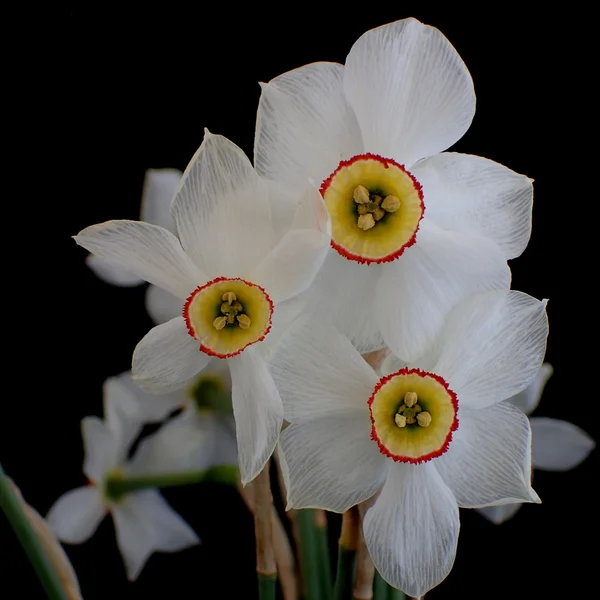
(430, 437)
(237, 277)
(144, 522)
(556, 445)
(200, 437)
(413, 231)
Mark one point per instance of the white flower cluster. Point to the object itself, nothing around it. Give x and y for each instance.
(352, 292)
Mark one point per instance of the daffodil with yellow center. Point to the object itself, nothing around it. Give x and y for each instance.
(414, 229)
(423, 439)
(236, 275)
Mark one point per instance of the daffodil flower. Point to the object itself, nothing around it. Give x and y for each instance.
(414, 230)
(235, 275)
(158, 190)
(200, 437)
(428, 438)
(556, 445)
(144, 522)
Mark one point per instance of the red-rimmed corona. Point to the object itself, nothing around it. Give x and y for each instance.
(375, 206)
(228, 315)
(413, 415)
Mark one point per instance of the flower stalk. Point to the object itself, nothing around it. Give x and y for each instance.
(364, 571)
(309, 554)
(322, 538)
(117, 484)
(9, 502)
(266, 568)
(348, 545)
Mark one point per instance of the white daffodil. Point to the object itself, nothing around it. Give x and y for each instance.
(144, 522)
(413, 230)
(235, 275)
(431, 437)
(158, 190)
(201, 436)
(556, 445)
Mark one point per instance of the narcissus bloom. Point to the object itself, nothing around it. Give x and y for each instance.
(200, 437)
(430, 437)
(236, 275)
(158, 190)
(556, 445)
(144, 522)
(413, 231)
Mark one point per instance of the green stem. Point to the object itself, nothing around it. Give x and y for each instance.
(345, 570)
(309, 554)
(322, 536)
(382, 590)
(267, 585)
(117, 485)
(37, 557)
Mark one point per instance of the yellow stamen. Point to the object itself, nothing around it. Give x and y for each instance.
(391, 204)
(410, 399)
(219, 323)
(424, 419)
(366, 222)
(361, 195)
(244, 321)
(228, 297)
(400, 420)
(378, 213)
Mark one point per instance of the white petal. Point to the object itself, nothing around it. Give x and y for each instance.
(186, 443)
(292, 265)
(144, 524)
(157, 193)
(391, 364)
(257, 410)
(120, 415)
(111, 273)
(499, 514)
(152, 253)
(489, 458)
(332, 461)
(492, 346)
(528, 399)
(342, 290)
(558, 445)
(75, 516)
(161, 305)
(319, 373)
(428, 281)
(145, 407)
(167, 357)
(305, 126)
(222, 210)
(410, 90)
(101, 452)
(474, 194)
(412, 529)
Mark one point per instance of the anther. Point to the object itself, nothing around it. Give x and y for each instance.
(378, 213)
(366, 222)
(410, 399)
(219, 323)
(400, 420)
(244, 321)
(361, 195)
(424, 419)
(228, 297)
(391, 204)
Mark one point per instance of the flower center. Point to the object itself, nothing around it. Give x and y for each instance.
(413, 415)
(375, 206)
(228, 315)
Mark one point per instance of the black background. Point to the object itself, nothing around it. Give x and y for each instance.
(108, 95)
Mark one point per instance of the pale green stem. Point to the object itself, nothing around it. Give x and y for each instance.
(31, 544)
